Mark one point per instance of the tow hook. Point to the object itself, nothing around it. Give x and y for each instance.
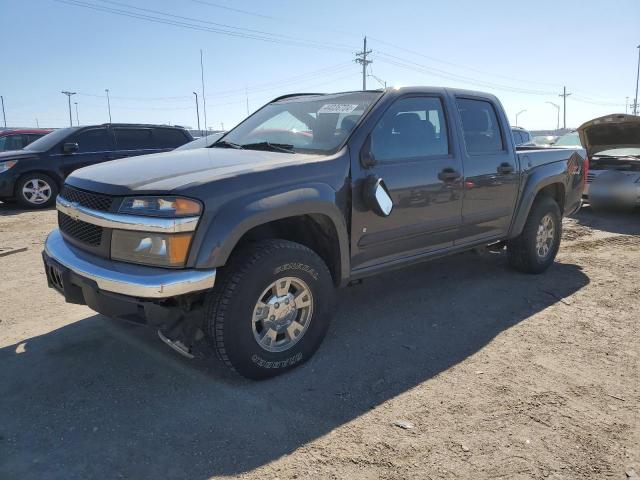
(182, 335)
(177, 345)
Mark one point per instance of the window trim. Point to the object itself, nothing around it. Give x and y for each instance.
(501, 126)
(419, 158)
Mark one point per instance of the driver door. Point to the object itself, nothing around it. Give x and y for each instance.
(412, 154)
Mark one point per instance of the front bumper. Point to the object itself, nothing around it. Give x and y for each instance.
(123, 278)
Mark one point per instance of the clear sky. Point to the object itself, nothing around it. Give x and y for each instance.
(524, 52)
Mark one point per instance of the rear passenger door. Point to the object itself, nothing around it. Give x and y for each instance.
(169, 138)
(131, 141)
(413, 154)
(491, 173)
(95, 145)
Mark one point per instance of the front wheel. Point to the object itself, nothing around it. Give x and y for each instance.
(535, 249)
(271, 308)
(36, 190)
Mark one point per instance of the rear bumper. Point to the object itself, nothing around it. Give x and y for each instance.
(125, 279)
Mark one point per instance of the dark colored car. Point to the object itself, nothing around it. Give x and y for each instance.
(34, 175)
(521, 137)
(18, 138)
(240, 246)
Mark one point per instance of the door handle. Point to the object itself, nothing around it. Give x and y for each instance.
(449, 175)
(505, 168)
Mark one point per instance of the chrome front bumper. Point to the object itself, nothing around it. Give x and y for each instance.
(127, 279)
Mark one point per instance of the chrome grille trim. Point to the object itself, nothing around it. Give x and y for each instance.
(126, 222)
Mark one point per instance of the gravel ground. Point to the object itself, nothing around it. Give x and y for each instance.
(492, 374)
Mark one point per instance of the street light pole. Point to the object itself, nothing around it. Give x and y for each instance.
(635, 103)
(3, 115)
(68, 94)
(197, 111)
(108, 103)
(518, 114)
(77, 121)
(557, 107)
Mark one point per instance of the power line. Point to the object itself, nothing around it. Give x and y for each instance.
(266, 37)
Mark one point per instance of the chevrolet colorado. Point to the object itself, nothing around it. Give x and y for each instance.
(241, 245)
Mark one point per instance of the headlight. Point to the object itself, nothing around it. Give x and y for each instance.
(162, 250)
(4, 166)
(161, 206)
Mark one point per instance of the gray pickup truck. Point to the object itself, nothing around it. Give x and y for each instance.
(239, 247)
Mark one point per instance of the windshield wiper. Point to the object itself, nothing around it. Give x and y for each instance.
(225, 144)
(274, 147)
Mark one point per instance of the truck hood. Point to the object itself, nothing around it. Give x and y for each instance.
(168, 171)
(609, 132)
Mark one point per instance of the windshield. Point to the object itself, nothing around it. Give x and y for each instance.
(305, 124)
(569, 140)
(620, 152)
(50, 140)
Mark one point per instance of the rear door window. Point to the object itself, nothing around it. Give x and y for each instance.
(94, 140)
(169, 137)
(134, 139)
(480, 126)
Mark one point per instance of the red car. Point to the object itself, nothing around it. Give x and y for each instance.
(17, 139)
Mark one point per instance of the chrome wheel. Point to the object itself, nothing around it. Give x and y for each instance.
(36, 191)
(545, 236)
(282, 314)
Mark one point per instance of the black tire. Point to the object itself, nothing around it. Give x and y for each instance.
(34, 201)
(522, 252)
(229, 310)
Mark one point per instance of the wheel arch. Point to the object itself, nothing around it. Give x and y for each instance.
(548, 180)
(308, 215)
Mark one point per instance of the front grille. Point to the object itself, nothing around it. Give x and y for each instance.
(94, 201)
(591, 177)
(79, 230)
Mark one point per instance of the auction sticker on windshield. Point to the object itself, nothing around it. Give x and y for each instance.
(337, 108)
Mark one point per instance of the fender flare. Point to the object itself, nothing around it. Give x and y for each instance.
(237, 217)
(536, 180)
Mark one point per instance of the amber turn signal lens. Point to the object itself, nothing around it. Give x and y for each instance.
(184, 206)
(178, 248)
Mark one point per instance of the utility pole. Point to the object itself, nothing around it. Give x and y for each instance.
(518, 114)
(108, 103)
(564, 96)
(198, 112)
(626, 105)
(4, 117)
(361, 58)
(635, 102)
(204, 99)
(77, 121)
(68, 94)
(37, 123)
(557, 107)
(246, 94)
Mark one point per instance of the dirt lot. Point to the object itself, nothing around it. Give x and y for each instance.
(501, 375)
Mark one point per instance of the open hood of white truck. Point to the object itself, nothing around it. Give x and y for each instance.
(609, 132)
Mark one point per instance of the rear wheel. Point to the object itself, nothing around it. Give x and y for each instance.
(36, 190)
(271, 308)
(536, 247)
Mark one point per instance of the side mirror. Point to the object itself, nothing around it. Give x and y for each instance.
(367, 160)
(376, 196)
(70, 147)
